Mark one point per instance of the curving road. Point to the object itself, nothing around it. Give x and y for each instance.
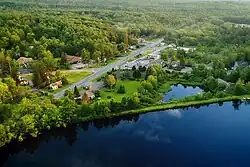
(87, 81)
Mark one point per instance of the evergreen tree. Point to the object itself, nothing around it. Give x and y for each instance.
(76, 92)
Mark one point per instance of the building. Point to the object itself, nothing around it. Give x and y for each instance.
(56, 85)
(73, 59)
(53, 86)
(187, 50)
(141, 40)
(90, 94)
(87, 96)
(22, 81)
(23, 61)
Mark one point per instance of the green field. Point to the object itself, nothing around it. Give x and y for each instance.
(73, 77)
(130, 86)
(76, 76)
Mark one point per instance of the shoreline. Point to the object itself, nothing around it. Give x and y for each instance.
(166, 106)
(154, 108)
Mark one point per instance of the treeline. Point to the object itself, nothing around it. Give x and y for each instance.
(37, 34)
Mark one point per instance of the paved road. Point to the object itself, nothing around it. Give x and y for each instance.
(87, 81)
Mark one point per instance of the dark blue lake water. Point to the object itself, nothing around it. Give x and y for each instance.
(209, 136)
(179, 91)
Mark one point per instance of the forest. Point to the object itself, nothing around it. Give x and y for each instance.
(46, 31)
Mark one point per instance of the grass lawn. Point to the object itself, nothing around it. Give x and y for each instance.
(76, 76)
(130, 87)
(72, 78)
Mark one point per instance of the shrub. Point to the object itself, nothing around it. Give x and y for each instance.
(221, 94)
(65, 81)
(97, 93)
(121, 89)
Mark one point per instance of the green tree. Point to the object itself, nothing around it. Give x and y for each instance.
(137, 74)
(64, 62)
(210, 84)
(239, 88)
(3, 136)
(134, 101)
(96, 55)
(164, 56)
(182, 61)
(5, 94)
(42, 71)
(110, 81)
(147, 86)
(153, 81)
(76, 92)
(85, 55)
(151, 71)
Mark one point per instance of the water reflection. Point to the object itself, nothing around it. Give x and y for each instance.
(69, 134)
(175, 113)
(180, 91)
(154, 127)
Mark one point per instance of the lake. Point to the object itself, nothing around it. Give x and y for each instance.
(180, 91)
(209, 136)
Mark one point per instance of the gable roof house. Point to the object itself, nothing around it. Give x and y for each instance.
(73, 59)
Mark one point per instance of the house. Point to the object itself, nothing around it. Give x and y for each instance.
(185, 49)
(171, 45)
(73, 59)
(240, 64)
(56, 85)
(86, 96)
(23, 61)
(22, 81)
(53, 86)
(141, 40)
(90, 94)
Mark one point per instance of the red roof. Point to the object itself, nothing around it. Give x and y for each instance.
(73, 59)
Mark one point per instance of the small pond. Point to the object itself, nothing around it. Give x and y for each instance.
(217, 135)
(179, 91)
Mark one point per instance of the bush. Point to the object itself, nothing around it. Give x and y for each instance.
(221, 94)
(121, 89)
(109, 97)
(97, 93)
(65, 81)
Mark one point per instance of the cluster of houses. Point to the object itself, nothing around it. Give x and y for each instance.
(146, 61)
